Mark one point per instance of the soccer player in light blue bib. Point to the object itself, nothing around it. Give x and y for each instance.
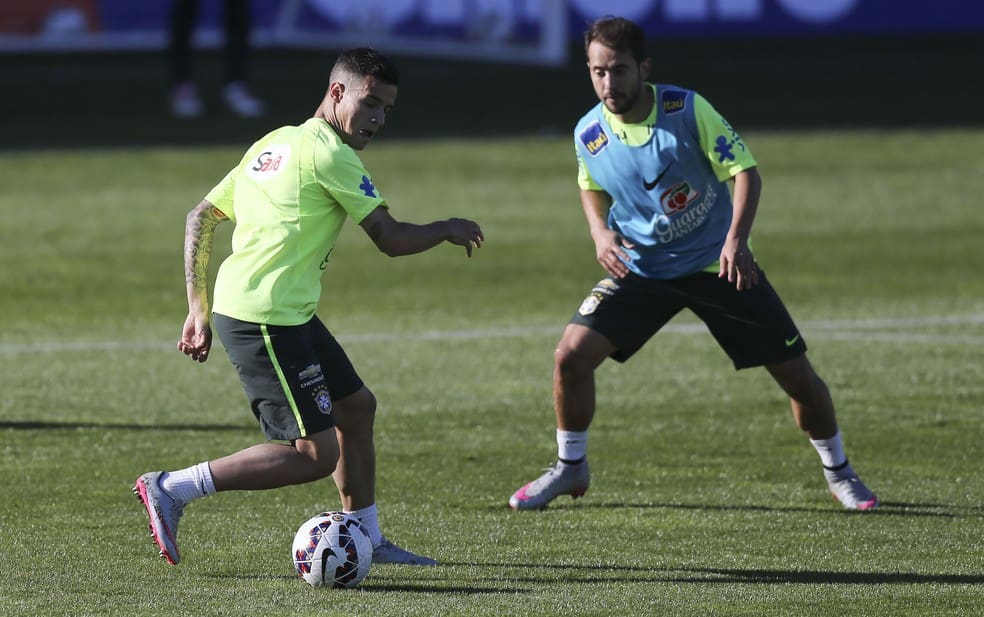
(654, 166)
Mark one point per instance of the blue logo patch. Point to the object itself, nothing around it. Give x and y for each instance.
(674, 101)
(725, 146)
(594, 138)
(368, 187)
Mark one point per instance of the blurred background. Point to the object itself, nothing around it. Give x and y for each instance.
(79, 73)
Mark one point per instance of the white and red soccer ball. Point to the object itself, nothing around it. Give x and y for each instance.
(332, 549)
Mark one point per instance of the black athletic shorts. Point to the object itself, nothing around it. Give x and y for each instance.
(291, 374)
(752, 325)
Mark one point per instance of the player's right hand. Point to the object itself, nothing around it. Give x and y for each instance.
(610, 251)
(465, 233)
(196, 337)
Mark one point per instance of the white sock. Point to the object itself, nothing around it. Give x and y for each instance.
(189, 483)
(831, 451)
(572, 446)
(369, 517)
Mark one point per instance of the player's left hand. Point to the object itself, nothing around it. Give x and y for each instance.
(738, 265)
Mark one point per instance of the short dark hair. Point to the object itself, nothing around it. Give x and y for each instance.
(365, 62)
(619, 34)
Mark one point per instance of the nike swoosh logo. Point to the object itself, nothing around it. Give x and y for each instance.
(792, 341)
(651, 185)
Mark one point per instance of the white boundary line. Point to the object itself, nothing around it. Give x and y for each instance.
(849, 330)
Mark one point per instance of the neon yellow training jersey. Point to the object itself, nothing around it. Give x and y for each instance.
(289, 198)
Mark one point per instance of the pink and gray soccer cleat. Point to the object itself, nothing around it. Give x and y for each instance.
(561, 479)
(163, 512)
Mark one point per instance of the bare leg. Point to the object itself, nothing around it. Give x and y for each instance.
(272, 465)
(355, 475)
(579, 352)
(813, 409)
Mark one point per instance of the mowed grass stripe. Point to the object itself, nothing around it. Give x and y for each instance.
(865, 329)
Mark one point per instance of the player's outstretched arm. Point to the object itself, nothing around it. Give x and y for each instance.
(396, 238)
(196, 335)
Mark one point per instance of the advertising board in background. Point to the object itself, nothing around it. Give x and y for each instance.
(526, 31)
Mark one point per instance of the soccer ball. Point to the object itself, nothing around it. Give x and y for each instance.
(332, 549)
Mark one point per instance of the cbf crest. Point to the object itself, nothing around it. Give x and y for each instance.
(605, 288)
(322, 399)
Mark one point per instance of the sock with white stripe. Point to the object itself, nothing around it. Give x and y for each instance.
(835, 464)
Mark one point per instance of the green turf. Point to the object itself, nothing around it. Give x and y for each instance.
(705, 500)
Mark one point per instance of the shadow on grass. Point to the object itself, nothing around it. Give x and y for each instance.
(590, 574)
(814, 577)
(608, 574)
(450, 588)
(375, 585)
(888, 508)
(31, 425)
(596, 574)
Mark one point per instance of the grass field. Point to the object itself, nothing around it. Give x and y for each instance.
(706, 500)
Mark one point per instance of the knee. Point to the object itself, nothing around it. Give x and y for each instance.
(800, 382)
(579, 353)
(320, 453)
(323, 467)
(570, 362)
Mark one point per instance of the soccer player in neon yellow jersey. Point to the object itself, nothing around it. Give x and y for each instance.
(289, 197)
(653, 164)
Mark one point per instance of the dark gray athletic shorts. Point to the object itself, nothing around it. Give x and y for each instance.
(291, 374)
(752, 325)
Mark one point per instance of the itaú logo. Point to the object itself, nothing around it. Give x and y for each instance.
(810, 11)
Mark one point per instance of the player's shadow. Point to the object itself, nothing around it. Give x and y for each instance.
(887, 508)
(34, 425)
(816, 577)
(608, 574)
(508, 575)
(376, 582)
(371, 586)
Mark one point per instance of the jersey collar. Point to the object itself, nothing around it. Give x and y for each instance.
(634, 134)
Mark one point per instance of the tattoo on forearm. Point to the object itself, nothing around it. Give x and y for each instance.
(199, 233)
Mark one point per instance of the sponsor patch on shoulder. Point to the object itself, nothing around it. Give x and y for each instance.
(594, 138)
(673, 101)
(270, 162)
